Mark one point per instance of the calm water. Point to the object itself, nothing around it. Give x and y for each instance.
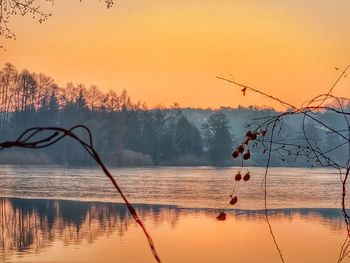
(199, 187)
(178, 206)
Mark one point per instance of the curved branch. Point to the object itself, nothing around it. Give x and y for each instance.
(28, 140)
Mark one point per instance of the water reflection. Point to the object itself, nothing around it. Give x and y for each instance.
(31, 225)
(331, 217)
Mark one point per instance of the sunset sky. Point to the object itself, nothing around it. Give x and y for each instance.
(171, 51)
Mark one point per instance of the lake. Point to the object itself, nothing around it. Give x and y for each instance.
(60, 214)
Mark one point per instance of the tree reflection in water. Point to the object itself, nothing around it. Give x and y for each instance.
(30, 225)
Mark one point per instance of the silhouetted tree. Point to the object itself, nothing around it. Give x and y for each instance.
(94, 98)
(218, 139)
(188, 137)
(8, 82)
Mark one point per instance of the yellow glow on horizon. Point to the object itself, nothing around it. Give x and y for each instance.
(171, 51)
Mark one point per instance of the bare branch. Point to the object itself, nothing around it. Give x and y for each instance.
(42, 137)
(305, 147)
(10, 8)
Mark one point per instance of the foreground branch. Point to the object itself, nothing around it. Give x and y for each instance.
(42, 137)
(304, 147)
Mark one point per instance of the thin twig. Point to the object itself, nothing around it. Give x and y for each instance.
(28, 140)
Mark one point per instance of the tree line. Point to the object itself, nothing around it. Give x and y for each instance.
(127, 133)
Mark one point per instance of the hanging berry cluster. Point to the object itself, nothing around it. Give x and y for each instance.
(243, 151)
(238, 178)
(250, 136)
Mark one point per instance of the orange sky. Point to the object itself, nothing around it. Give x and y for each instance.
(170, 51)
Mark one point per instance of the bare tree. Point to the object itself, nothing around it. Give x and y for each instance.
(8, 82)
(111, 101)
(45, 87)
(10, 8)
(94, 97)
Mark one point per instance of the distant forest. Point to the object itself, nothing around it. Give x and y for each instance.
(129, 134)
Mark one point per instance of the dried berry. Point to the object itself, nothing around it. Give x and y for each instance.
(240, 148)
(246, 177)
(233, 200)
(238, 176)
(251, 135)
(246, 156)
(221, 216)
(235, 154)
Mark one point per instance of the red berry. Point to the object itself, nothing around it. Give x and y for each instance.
(246, 177)
(235, 154)
(221, 216)
(246, 156)
(233, 200)
(238, 176)
(252, 136)
(240, 148)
